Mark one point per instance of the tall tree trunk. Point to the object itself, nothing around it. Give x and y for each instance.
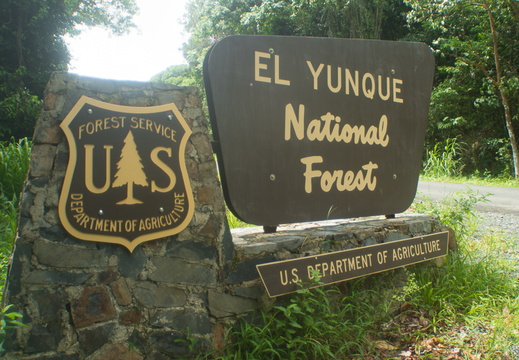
(511, 133)
(19, 32)
(502, 91)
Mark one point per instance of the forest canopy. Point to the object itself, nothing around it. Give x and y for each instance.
(474, 110)
(475, 102)
(32, 46)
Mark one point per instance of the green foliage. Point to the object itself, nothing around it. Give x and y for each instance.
(14, 163)
(8, 320)
(19, 109)
(32, 37)
(476, 287)
(455, 211)
(477, 92)
(315, 324)
(443, 160)
(234, 222)
(210, 21)
(372, 317)
(179, 75)
(8, 222)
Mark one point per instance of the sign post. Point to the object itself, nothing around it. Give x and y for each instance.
(284, 277)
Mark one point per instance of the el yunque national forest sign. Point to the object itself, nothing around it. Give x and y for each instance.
(311, 128)
(126, 180)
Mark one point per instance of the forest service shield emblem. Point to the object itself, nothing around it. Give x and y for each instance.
(126, 180)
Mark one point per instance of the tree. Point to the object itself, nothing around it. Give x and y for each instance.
(32, 46)
(482, 37)
(210, 21)
(180, 75)
(130, 171)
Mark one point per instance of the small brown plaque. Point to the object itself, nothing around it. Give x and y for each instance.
(284, 277)
(126, 179)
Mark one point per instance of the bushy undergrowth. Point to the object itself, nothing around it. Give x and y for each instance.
(444, 162)
(14, 163)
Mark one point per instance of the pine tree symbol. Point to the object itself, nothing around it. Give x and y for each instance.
(130, 170)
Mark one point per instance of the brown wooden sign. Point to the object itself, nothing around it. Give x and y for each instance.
(284, 277)
(312, 128)
(126, 179)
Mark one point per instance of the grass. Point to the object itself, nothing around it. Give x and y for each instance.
(473, 180)
(234, 222)
(14, 163)
(442, 163)
(466, 309)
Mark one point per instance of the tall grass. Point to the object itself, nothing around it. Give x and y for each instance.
(14, 164)
(444, 160)
(469, 307)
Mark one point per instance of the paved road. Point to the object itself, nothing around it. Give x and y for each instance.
(501, 200)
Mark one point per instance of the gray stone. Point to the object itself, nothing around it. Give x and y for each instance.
(42, 160)
(92, 339)
(49, 304)
(26, 203)
(171, 270)
(47, 132)
(291, 243)
(107, 276)
(345, 236)
(121, 292)
(131, 264)
(369, 241)
(63, 256)
(164, 86)
(94, 305)
(246, 270)
(419, 227)
(175, 345)
(43, 338)
(61, 160)
(227, 243)
(57, 82)
(395, 236)
(55, 233)
(38, 183)
(150, 295)
(23, 252)
(197, 322)
(116, 352)
(223, 305)
(60, 357)
(191, 250)
(133, 94)
(56, 277)
(131, 317)
(251, 292)
(260, 248)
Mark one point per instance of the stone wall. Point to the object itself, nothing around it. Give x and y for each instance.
(82, 299)
(87, 300)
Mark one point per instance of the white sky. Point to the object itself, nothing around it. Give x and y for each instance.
(153, 47)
